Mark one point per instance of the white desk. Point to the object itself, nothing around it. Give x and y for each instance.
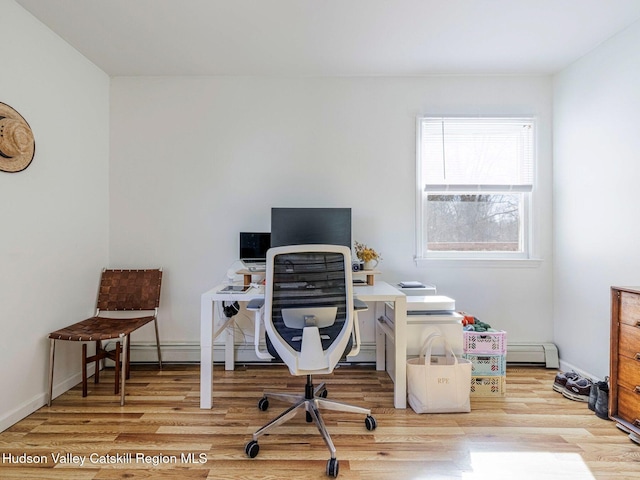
(378, 294)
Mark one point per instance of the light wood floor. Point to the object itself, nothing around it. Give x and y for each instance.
(532, 433)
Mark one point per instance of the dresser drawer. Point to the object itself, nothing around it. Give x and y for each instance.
(629, 341)
(624, 395)
(629, 374)
(630, 308)
(629, 406)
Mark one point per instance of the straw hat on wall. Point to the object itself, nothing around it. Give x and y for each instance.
(17, 145)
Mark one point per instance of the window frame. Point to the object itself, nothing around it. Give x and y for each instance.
(500, 258)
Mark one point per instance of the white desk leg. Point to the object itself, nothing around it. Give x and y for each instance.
(400, 387)
(381, 347)
(206, 351)
(229, 346)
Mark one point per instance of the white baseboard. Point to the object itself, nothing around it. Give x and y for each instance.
(545, 354)
(568, 367)
(24, 410)
(190, 353)
(40, 400)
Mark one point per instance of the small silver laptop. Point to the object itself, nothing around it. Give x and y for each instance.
(253, 250)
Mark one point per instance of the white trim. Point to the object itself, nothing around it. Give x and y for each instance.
(569, 367)
(419, 215)
(24, 410)
(244, 352)
(447, 187)
(479, 262)
(40, 400)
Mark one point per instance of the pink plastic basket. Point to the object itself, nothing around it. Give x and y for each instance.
(492, 343)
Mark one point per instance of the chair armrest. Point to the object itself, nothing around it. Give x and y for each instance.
(255, 304)
(359, 305)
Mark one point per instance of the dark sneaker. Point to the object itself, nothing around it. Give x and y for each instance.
(602, 402)
(578, 390)
(593, 397)
(560, 382)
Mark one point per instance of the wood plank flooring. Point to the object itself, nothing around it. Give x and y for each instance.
(161, 433)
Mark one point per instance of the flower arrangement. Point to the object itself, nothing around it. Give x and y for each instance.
(366, 254)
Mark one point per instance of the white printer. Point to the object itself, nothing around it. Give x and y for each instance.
(429, 313)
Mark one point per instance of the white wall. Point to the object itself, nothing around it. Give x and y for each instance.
(195, 160)
(53, 220)
(596, 174)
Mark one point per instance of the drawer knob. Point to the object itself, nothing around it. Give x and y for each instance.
(637, 389)
(637, 357)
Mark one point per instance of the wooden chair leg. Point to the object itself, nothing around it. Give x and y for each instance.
(125, 361)
(128, 342)
(99, 361)
(117, 367)
(84, 369)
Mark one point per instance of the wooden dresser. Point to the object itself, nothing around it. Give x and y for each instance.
(624, 394)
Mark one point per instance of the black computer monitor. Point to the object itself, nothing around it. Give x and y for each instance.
(301, 226)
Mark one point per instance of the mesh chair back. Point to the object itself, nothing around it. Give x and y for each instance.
(309, 276)
(129, 290)
(309, 279)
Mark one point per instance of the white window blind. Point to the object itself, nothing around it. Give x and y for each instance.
(483, 154)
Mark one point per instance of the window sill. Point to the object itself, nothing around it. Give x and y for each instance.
(479, 262)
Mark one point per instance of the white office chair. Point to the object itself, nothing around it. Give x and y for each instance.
(310, 324)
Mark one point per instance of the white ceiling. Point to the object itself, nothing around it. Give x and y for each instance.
(333, 37)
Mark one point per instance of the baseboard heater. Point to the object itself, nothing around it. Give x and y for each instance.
(190, 353)
(517, 353)
(533, 354)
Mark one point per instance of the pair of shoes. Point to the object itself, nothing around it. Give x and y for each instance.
(561, 379)
(601, 406)
(574, 387)
(578, 389)
(593, 397)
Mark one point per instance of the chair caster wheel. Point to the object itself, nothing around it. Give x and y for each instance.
(333, 467)
(309, 417)
(370, 423)
(251, 449)
(263, 404)
(324, 393)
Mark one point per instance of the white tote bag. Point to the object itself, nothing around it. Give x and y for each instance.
(439, 384)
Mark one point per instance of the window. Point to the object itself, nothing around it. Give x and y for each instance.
(475, 184)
